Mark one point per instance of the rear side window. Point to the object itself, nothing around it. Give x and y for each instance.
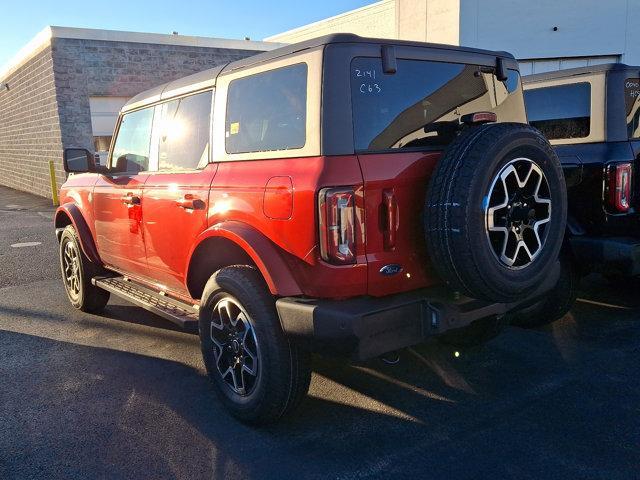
(632, 104)
(420, 105)
(267, 111)
(560, 112)
(184, 133)
(131, 149)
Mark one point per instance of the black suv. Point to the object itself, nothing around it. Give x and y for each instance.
(591, 115)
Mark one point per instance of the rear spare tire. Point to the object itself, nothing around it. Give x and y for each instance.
(495, 212)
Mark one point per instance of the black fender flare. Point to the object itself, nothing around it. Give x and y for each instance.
(71, 212)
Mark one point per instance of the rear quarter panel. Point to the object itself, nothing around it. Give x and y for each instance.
(584, 168)
(238, 193)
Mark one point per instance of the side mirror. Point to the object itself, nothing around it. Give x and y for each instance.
(78, 160)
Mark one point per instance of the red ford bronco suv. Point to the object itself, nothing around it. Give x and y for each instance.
(342, 195)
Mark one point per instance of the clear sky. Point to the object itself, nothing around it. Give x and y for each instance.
(21, 20)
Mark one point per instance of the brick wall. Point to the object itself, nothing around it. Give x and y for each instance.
(47, 106)
(29, 127)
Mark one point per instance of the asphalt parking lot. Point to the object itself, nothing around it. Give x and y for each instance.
(124, 394)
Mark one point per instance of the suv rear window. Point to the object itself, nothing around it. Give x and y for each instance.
(560, 112)
(267, 111)
(632, 104)
(419, 106)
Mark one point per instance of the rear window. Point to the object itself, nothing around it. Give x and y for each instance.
(632, 104)
(420, 105)
(560, 112)
(267, 111)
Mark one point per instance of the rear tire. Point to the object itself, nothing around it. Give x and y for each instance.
(258, 373)
(77, 272)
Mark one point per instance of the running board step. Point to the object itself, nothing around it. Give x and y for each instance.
(180, 313)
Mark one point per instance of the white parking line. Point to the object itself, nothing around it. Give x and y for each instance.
(602, 304)
(26, 244)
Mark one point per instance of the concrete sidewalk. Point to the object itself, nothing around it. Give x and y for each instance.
(15, 200)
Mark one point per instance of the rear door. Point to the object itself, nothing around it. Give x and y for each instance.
(402, 123)
(176, 197)
(117, 196)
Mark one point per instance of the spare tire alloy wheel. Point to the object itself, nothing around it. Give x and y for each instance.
(236, 351)
(495, 213)
(517, 210)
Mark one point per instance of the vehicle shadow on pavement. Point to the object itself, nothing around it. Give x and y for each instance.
(136, 315)
(555, 402)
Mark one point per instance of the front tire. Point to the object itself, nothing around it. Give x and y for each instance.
(77, 272)
(258, 374)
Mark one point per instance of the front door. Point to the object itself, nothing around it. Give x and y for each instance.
(118, 196)
(176, 197)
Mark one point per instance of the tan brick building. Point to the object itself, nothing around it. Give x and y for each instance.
(65, 87)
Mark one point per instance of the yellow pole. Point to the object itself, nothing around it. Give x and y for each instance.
(54, 184)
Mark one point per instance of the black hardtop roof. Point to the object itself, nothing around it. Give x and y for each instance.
(156, 93)
(573, 72)
(349, 38)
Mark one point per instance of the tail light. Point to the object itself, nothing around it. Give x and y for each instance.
(479, 117)
(619, 186)
(337, 209)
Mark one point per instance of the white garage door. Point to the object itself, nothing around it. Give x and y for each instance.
(540, 65)
(104, 113)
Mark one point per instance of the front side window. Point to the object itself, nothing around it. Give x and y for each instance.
(632, 104)
(560, 112)
(184, 133)
(267, 111)
(420, 105)
(131, 150)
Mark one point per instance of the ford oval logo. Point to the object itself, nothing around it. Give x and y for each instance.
(391, 269)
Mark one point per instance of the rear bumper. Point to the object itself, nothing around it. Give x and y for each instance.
(365, 327)
(612, 255)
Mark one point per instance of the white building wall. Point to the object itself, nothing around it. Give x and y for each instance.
(375, 20)
(588, 31)
(443, 21)
(585, 28)
(435, 21)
